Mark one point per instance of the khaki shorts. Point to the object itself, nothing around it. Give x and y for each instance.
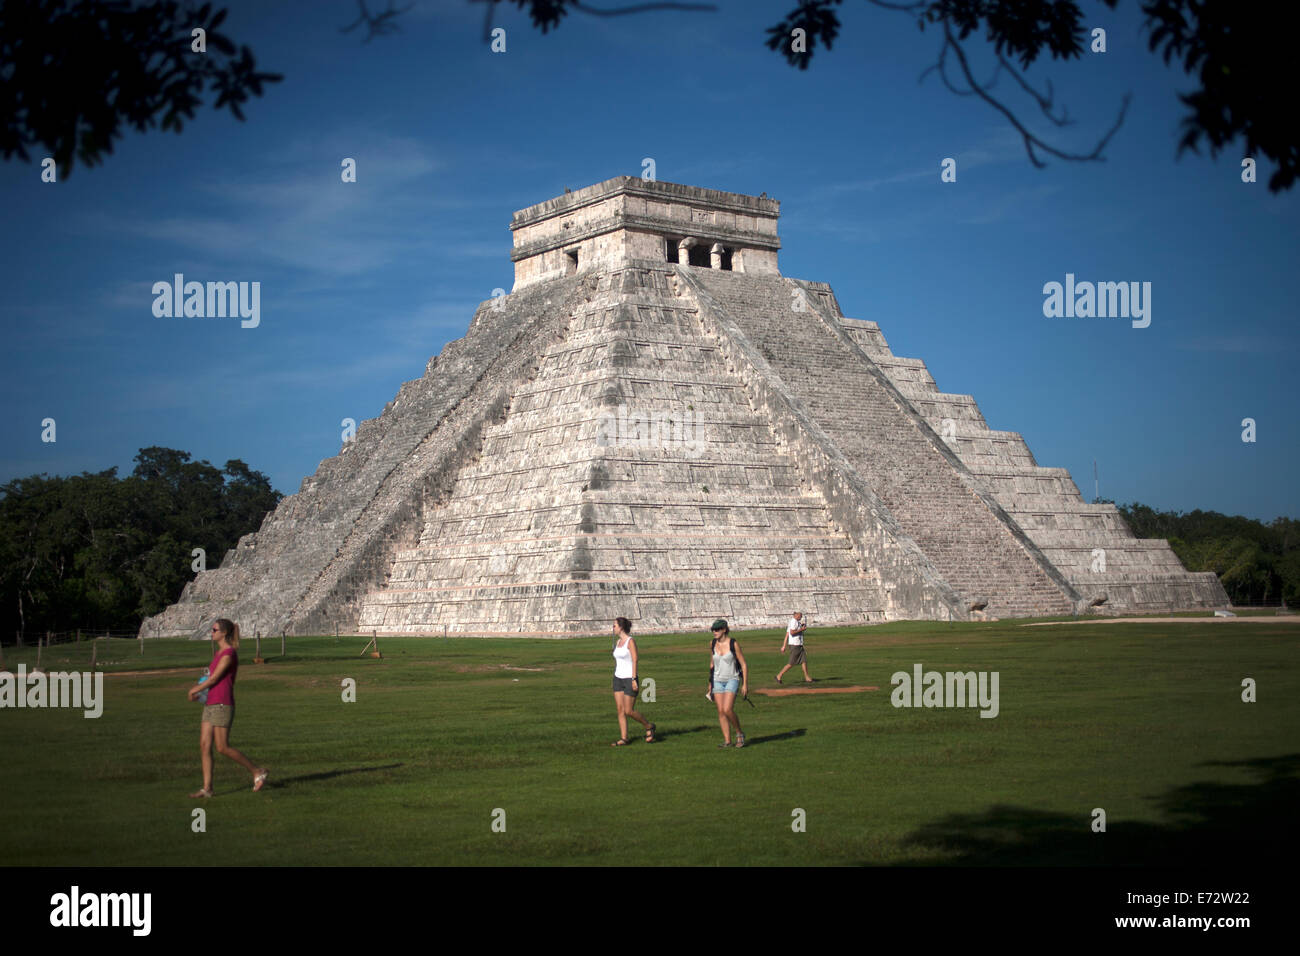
(797, 655)
(219, 715)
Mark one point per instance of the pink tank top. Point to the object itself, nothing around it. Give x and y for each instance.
(223, 691)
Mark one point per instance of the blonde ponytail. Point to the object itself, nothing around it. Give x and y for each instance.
(231, 630)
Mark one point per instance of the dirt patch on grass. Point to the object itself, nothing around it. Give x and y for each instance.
(1170, 620)
(183, 670)
(787, 691)
(161, 670)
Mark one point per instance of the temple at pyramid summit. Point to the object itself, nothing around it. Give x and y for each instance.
(656, 424)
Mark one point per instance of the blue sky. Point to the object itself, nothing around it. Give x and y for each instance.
(362, 283)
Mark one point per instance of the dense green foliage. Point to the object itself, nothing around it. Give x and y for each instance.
(94, 550)
(1258, 563)
(77, 71)
(97, 551)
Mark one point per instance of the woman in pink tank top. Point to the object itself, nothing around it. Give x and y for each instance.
(219, 708)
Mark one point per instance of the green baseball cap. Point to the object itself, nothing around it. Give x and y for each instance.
(720, 625)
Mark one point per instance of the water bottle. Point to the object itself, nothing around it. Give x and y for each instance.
(203, 694)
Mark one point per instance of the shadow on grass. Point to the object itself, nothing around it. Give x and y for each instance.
(662, 735)
(1213, 824)
(273, 784)
(788, 735)
(795, 679)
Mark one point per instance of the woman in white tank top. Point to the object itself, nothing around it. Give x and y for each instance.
(626, 686)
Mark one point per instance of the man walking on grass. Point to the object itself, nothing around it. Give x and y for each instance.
(794, 640)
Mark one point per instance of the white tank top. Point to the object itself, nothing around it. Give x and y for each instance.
(623, 660)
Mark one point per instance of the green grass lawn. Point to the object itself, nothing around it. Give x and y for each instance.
(1143, 720)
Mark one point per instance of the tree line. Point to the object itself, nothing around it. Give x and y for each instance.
(1257, 563)
(99, 551)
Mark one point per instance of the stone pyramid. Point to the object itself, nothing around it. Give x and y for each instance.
(656, 424)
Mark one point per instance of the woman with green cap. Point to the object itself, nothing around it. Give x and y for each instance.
(728, 673)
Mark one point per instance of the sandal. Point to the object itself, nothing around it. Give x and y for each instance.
(779, 681)
(204, 792)
(259, 780)
(726, 744)
(740, 739)
(650, 734)
(621, 742)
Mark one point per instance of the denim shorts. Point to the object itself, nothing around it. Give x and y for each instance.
(623, 685)
(727, 686)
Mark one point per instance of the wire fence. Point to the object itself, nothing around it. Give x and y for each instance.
(50, 638)
(117, 638)
(20, 639)
(118, 649)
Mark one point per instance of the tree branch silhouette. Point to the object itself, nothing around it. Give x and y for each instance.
(75, 71)
(1031, 140)
(1019, 28)
(1240, 56)
(377, 24)
(547, 14)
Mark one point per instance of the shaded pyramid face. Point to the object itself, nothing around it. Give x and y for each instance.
(655, 424)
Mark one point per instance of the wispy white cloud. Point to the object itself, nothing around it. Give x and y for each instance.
(996, 149)
(301, 214)
(128, 295)
(261, 385)
(996, 208)
(1240, 343)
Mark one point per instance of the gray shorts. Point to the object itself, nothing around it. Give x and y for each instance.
(623, 685)
(797, 655)
(219, 715)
